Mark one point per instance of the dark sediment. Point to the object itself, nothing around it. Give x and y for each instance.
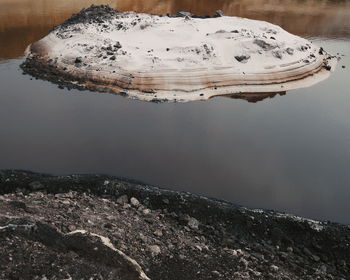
(171, 235)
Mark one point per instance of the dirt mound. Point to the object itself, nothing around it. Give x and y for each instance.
(165, 234)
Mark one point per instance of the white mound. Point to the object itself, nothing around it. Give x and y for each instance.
(152, 57)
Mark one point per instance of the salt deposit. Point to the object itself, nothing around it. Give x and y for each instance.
(176, 58)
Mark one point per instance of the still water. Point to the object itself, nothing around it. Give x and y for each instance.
(290, 153)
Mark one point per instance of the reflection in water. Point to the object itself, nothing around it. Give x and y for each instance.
(25, 21)
(255, 97)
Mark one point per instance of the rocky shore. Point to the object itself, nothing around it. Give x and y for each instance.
(102, 227)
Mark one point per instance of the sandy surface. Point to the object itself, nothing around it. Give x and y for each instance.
(177, 58)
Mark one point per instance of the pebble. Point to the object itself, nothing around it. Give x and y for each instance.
(122, 199)
(72, 227)
(154, 249)
(158, 232)
(274, 268)
(193, 223)
(134, 202)
(316, 258)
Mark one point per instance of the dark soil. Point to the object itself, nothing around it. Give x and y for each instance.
(171, 235)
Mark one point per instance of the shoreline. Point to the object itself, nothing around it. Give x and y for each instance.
(161, 229)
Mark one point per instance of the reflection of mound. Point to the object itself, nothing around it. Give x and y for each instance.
(175, 58)
(255, 97)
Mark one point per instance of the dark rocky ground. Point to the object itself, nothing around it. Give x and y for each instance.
(171, 235)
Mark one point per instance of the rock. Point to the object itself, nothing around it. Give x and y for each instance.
(134, 202)
(108, 225)
(183, 14)
(289, 51)
(143, 238)
(72, 227)
(264, 45)
(274, 268)
(117, 45)
(66, 202)
(78, 60)
(244, 263)
(158, 232)
(242, 58)
(154, 249)
(316, 258)
(219, 13)
(122, 199)
(323, 268)
(146, 211)
(166, 201)
(277, 54)
(216, 273)
(193, 223)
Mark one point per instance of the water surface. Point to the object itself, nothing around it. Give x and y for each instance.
(290, 153)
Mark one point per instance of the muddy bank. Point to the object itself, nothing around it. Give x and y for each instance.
(101, 227)
(180, 57)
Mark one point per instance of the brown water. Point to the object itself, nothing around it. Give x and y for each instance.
(290, 153)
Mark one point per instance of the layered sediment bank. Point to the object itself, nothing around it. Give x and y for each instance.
(175, 58)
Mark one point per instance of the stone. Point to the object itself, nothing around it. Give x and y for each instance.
(122, 199)
(134, 202)
(274, 268)
(242, 58)
(193, 223)
(166, 201)
(219, 13)
(72, 227)
(158, 232)
(316, 258)
(78, 60)
(216, 273)
(154, 249)
(183, 14)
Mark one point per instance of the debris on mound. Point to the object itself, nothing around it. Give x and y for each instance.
(175, 58)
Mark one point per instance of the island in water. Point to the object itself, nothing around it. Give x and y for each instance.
(179, 57)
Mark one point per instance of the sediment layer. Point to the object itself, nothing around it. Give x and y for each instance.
(175, 58)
